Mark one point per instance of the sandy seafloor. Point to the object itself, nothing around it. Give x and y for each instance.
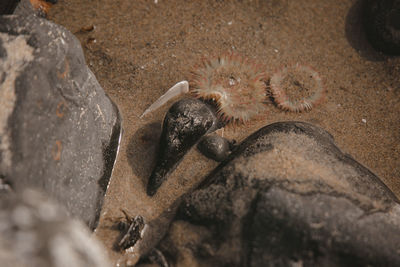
(138, 49)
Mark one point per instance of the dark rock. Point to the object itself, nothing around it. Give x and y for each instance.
(287, 196)
(7, 6)
(59, 132)
(356, 33)
(34, 231)
(214, 147)
(382, 23)
(320, 230)
(184, 124)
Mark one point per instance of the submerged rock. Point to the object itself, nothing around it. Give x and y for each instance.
(214, 147)
(36, 232)
(382, 23)
(287, 196)
(59, 132)
(7, 6)
(184, 124)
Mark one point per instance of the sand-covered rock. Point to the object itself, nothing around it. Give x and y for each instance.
(8, 6)
(58, 130)
(287, 196)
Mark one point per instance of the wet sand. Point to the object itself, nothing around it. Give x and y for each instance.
(139, 49)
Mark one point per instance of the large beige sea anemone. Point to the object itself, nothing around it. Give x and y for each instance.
(235, 83)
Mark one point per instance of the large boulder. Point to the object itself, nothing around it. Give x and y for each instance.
(287, 196)
(59, 132)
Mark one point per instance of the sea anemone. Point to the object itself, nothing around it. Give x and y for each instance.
(297, 88)
(235, 83)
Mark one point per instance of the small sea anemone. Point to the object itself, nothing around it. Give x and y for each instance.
(234, 83)
(297, 88)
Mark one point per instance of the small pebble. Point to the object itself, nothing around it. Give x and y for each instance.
(364, 120)
(214, 147)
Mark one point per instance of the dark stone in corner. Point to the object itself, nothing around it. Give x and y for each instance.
(59, 131)
(287, 196)
(382, 24)
(7, 6)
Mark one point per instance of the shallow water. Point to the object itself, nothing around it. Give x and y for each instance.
(139, 49)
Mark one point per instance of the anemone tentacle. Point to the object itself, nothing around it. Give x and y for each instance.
(235, 83)
(297, 88)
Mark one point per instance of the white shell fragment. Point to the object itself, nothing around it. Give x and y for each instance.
(178, 89)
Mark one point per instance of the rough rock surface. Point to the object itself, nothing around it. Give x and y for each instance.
(287, 196)
(7, 6)
(184, 124)
(36, 232)
(58, 130)
(214, 147)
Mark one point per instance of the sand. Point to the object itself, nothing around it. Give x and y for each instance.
(138, 49)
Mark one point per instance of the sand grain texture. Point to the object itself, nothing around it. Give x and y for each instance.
(142, 48)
